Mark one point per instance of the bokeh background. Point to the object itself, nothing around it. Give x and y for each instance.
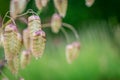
(99, 31)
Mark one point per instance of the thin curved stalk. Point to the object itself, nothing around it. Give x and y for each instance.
(62, 29)
(72, 28)
(65, 33)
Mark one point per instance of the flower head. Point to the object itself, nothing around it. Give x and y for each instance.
(61, 6)
(72, 51)
(25, 58)
(17, 7)
(56, 23)
(89, 3)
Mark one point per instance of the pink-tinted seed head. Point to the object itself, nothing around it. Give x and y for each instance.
(56, 23)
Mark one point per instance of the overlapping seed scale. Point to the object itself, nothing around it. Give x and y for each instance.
(16, 64)
(19, 42)
(11, 42)
(34, 26)
(11, 65)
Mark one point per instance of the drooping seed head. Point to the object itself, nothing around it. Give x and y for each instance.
(25, 58)
(10, 37)
(72, 51)
(17, 7)
(69, 52)
(56, 23)
(38, 41)
(39, 4)
(12, 42)
(89, 3)
(61, 6)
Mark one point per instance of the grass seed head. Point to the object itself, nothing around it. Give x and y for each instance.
(12, 45)
(72, 51)
(89, 3)
(25, 58)
(11, 66)
(44, 2)
(17, 7)
(38, 42)
(56, 23)
(39, 4)
(61, 6)
(16, 64)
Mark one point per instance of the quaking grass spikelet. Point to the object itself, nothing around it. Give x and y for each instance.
(72, 51)
(44, 2)
(25, 58)
(16, 62)
(17, 7)
(56, 23)
(89, 3)
(37, 36)
(12, 45)
(61, 6)
(38, 41)
(39, 4)
(19, 43)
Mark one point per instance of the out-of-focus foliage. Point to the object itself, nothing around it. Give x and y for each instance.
(98, 27)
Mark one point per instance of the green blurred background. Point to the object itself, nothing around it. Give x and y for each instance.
(99, 31)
